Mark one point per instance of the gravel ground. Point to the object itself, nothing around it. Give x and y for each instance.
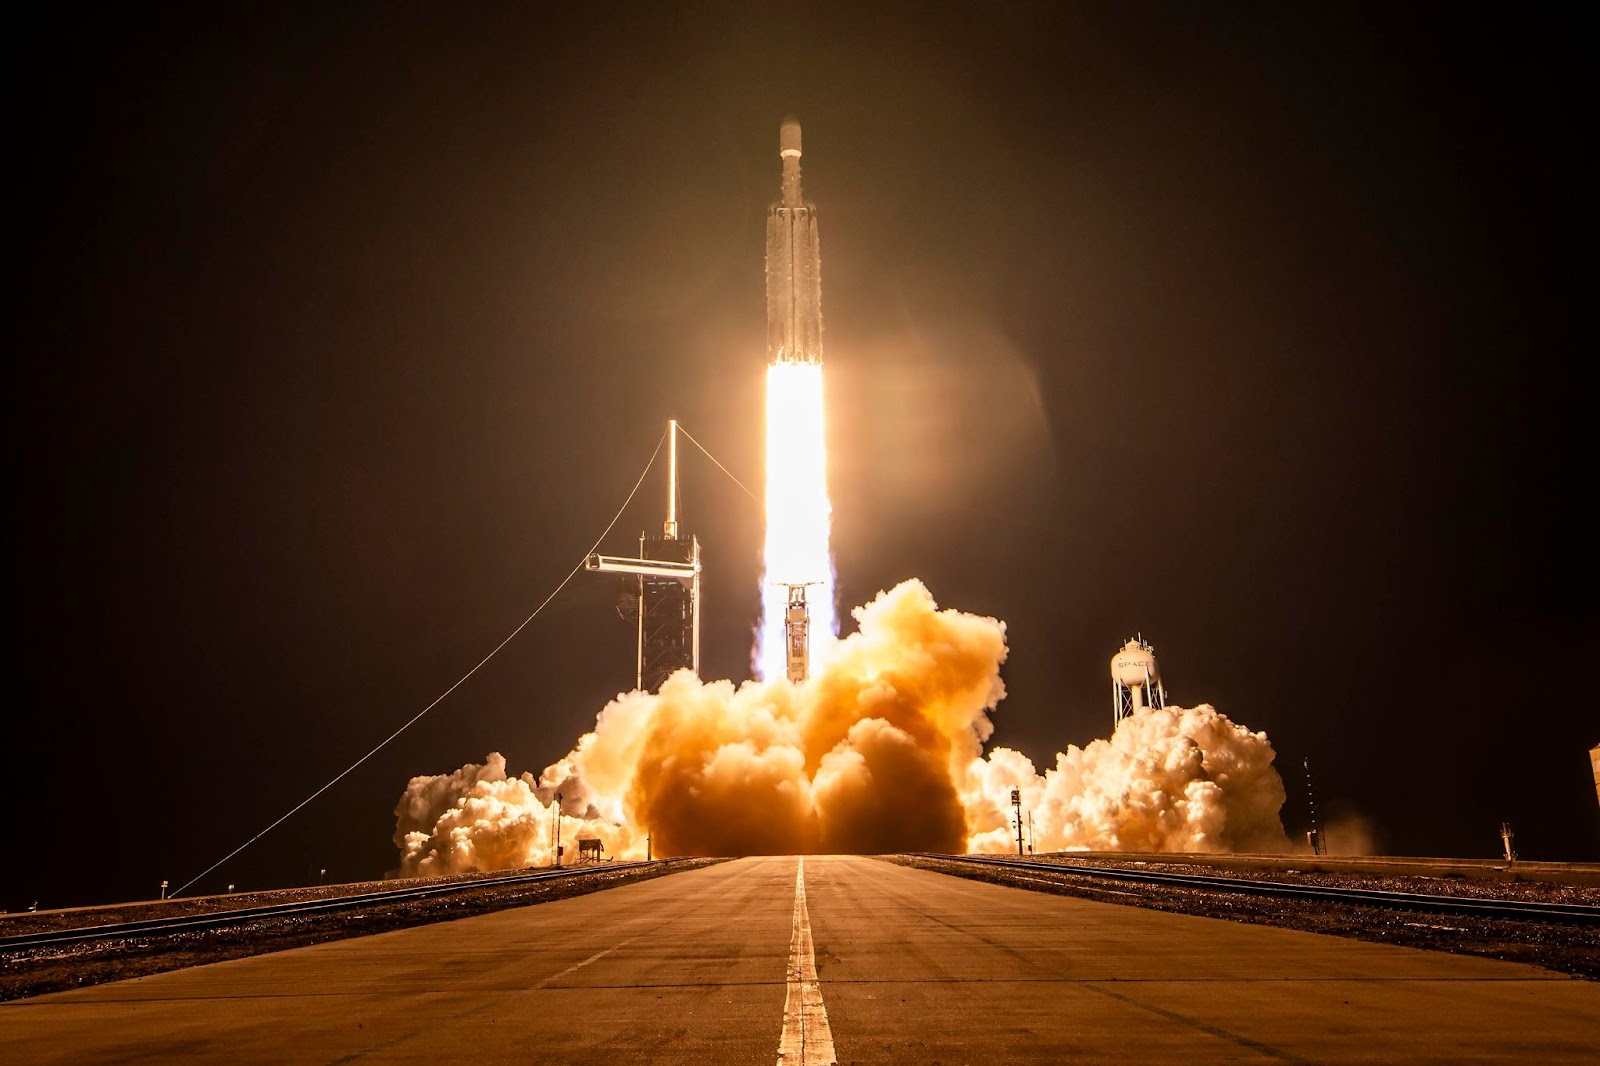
(22, 923)
(36, 971)
(1567, 948)
(1446, 885)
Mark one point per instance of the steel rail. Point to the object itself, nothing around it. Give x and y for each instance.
(1576, 913)
(218, 919)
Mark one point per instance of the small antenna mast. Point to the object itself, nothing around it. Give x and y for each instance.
(1314, 837)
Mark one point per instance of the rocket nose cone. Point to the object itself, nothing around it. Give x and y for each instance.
(789, 136)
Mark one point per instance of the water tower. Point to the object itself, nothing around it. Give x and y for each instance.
(1135, 680)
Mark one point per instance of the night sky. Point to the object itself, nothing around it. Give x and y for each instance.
(342, 337)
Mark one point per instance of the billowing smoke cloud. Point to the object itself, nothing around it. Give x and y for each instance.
(880, 751)
(1175, 779)
(479, 819)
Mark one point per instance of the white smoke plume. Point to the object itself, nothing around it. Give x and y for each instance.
(480, 819)
(1174, 779)
(880, 751)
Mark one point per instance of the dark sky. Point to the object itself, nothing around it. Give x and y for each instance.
(341, 338)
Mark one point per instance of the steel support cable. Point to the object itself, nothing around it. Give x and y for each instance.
(714, 459)
(459, 681)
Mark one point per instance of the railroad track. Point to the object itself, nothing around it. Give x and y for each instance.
(197, 922)
(1570, 913)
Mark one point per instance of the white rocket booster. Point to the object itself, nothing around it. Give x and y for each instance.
(794, 264)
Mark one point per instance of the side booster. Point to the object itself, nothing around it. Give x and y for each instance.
(794, 264)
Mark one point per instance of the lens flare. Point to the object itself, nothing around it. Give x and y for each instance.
(799, 515)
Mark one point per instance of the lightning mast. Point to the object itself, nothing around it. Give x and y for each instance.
(664, 598)
(1314, 836)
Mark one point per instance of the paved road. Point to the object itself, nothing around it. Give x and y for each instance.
(710, 966)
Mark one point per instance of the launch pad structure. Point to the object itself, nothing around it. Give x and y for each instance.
(797, 632)
(663, 600)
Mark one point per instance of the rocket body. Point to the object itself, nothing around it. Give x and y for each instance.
(794, 265)
(799, 517)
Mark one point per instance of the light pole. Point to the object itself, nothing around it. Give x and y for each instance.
(556, 818)
(1016, 802)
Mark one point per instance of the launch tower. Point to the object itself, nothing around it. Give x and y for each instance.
(1135, 680)
(663, 599)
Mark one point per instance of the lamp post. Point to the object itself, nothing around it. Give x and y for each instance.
(1016, 802)
(556, 818)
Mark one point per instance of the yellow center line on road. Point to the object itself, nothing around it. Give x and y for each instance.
(807, 1039)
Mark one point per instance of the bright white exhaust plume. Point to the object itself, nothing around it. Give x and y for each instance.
(798, 513)
(880, 751)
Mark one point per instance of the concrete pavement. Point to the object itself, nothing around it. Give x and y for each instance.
(920, 967)
(912, 967)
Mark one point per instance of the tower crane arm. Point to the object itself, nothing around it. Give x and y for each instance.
(616, 564)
